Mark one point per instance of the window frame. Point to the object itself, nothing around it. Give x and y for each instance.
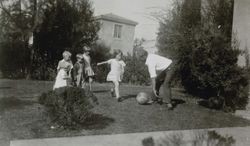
(115, 34)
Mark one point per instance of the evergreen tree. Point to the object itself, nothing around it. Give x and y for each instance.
(54, 24)
(200, 39)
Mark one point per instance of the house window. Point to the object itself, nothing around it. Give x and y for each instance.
(117, 31)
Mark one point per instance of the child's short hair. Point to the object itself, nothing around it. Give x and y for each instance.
(78, 56)
(66, 53)
(142, 53)
(116, 52)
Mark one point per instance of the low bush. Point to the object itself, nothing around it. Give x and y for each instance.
(69, 106)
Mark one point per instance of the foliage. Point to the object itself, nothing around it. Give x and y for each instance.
(69, 106)
(201, 43)
(44, 72)
(19, 20)
(13, 42)
(55, 26)
(136, 71)
(65, 26)
(100, 52)
(199, 138)
(13, 67)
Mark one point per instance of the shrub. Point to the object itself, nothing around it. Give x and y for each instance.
(207, 60)
(13, 57)
(44, 72)
(101, 73)
(198, 138)
(69, 106)
(211, 71)
(62, 25)
(136, 71)
(100, 52)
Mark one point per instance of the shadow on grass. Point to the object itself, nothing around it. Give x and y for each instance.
(180, 90)
(97, 121)
(9, 103)
(128, 96)
(5, 87)
(204, 103)
(101, 91)
(37, 132)
(176, 102)
(211, 104)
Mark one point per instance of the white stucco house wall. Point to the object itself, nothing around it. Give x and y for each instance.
(117, 32)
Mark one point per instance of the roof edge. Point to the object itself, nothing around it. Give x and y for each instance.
(119, 20)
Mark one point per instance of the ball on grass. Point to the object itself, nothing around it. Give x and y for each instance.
(142, 98)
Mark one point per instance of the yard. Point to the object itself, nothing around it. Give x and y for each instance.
(22, 117)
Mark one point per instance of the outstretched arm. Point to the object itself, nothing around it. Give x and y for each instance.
(152, 73)
(101, 63)
(153, 82)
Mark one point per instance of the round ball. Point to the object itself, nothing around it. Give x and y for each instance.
(142, 98)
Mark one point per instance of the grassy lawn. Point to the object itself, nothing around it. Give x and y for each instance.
(22, 117)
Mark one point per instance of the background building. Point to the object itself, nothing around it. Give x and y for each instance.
(117, 32)
(241, 28)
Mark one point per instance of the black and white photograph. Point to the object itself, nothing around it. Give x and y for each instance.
(124, 72)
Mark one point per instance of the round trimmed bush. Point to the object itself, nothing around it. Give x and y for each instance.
(69, 106)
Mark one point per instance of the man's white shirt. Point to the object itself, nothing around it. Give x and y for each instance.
(157, 63)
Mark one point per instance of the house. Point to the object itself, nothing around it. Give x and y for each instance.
(241, 29)
(117, 32)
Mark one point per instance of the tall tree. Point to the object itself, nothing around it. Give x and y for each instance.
(22, 17)
(202, 44)
(44, 28)
(67, 25)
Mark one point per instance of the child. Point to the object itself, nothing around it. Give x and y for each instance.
(87, 68)
(78, 71)
(64, 71)
(116, 73)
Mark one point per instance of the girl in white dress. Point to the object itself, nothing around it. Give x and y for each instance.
(116, 73)
(63, 71)
(87, 68)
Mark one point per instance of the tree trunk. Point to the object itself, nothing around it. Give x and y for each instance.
(29, 67)
(31, 44)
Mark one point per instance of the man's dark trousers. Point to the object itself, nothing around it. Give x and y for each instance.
(164, 79)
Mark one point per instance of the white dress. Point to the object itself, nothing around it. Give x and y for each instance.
(117, 70)
(87, 66)
(63, 74)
